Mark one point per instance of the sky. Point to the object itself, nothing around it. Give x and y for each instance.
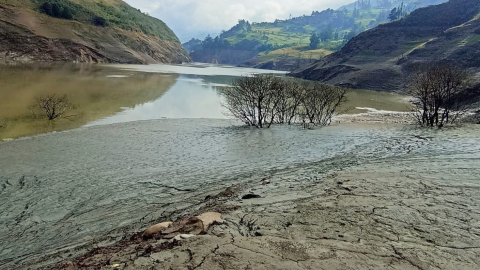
(197, 18)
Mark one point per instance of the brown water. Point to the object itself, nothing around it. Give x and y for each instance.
(96, 92)
(107, 94)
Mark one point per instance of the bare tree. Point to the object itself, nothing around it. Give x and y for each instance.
(291, 97)
(254, 99)
(53, 106)
(262, 100)
(321, 101)
(438, 91)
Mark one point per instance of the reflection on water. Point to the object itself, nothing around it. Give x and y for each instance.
(96, 92)
(199, 69)
(107, 94)
(194, 95)
(114, 93)
(190, 97)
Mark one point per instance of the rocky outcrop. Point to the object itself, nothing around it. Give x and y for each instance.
(187, 225)
(17, 47)
(26, 35)
(381, 58)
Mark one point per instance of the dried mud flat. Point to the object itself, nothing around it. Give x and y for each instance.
(420, 210)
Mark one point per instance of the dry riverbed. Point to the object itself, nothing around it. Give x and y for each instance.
(416, 211)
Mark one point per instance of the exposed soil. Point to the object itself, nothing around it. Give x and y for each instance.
(27, 36)
(415, 211)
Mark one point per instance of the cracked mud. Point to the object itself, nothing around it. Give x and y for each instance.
(343, 197)
(417, 211)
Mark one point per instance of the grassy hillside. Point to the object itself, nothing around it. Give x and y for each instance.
(334, 28)
(115, 12)
(84, 31)
(287, 59)
(381, 58)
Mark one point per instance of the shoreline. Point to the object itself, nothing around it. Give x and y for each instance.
(409, 211)
(331, 184)
(371, 116)
(376, 116)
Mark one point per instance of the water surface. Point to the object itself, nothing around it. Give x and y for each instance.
(74, 188)
(106, 94)
(147, 143)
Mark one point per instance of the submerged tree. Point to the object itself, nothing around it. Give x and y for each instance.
(262, 100)
(291, 96)
(254, 99)
(320, 102)
(439, 92)
(53, 106)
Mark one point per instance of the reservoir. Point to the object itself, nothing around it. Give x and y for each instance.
(149, 142)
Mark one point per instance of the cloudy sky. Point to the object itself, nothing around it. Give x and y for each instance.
(196, 18)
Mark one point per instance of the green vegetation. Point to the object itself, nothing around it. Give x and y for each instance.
(301, 52)
(314, 41)
(473, 39)
(57, 10)
(328, 30)
(102, 13)
(276, 37)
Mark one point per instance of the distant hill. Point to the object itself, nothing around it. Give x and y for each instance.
(84, 31)
(381, 58)
(390, 4)
(268, 39)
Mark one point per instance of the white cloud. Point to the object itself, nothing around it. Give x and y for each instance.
(188, 18)
(144, 5)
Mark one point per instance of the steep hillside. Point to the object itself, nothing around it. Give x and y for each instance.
(84, 31)
(334, 28)
(381, 58)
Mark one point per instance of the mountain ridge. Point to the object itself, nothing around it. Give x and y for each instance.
(382, 58)
(269, 40)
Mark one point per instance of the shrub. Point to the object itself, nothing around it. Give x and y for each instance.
(99, 21)
(320, 102)
(252, 99)
(262, 100)
(56, 10)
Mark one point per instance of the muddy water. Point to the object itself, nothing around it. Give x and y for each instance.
(63, 191)
(95, 92)
(106, 94)
(125, 167)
